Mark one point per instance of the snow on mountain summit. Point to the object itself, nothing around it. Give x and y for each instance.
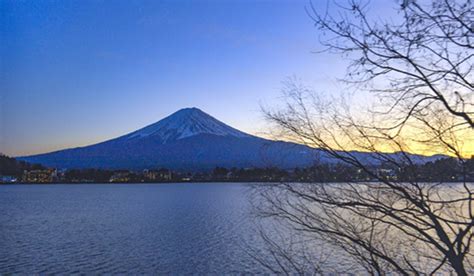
(184, 123)
(188, 140)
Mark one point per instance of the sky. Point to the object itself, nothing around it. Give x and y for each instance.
(74, 73)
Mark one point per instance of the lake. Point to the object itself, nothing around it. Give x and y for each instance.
(126, 228)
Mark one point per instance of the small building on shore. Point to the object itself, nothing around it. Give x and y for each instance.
(157, 175)
(40, 176)
(8, 179)
(121, 176)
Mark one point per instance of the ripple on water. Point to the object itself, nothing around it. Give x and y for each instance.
(175, 228)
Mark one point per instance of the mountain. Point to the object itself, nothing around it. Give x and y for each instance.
(192, 140)
(185, 123)
(189, 139)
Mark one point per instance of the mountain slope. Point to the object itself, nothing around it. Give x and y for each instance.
(189, 139)
(185, 123)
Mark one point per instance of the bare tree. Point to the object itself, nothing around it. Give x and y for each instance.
(420, 69)
(426, 58)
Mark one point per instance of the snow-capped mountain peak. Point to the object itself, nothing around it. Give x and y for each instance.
(185, 123)
(188, 140)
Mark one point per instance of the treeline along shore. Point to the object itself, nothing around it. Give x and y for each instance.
(442, 170)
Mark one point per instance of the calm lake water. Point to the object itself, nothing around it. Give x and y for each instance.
(126, 228)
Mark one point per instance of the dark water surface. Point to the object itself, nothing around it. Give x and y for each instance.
(126, 228)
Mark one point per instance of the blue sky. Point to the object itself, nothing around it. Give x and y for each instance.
(78, 72)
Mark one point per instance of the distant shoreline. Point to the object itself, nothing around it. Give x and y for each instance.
(164, 182)
(203, 182)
